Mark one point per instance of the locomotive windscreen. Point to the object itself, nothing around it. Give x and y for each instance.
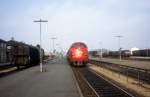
(81, 45)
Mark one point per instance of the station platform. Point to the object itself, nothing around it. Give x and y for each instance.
(132, 63)
(56, 81)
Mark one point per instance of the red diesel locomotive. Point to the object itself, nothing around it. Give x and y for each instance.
(78, 54)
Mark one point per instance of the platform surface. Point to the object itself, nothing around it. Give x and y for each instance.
(131, 63)
(56, 81)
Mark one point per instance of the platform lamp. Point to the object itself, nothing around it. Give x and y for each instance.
(101, 50)
(40, 21)
(53, 39)
(119, 39)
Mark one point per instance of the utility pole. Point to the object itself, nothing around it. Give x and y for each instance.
(58, 47)
(147, 52)
(147, 49)
(119, 39)
(53, 39)
(40, 21)
(101, 51)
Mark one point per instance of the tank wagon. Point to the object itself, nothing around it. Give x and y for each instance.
(77, 54)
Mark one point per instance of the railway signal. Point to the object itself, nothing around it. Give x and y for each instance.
(40, 21)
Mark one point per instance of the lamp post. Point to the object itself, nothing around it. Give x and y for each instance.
(53, 39)
(40, 21)
(57, 48)
(119, 38)
(147, 49)
(101, 51)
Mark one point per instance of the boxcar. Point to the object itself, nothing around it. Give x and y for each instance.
(34, 55)
(18, 53)
(3, 51)
(21, 54)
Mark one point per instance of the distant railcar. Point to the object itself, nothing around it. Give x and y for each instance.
(124, 53)
(94, 53)
(78, 54)
(142, 53)
(113, 53)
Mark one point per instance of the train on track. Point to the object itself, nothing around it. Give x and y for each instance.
(77, 54)
(124, 53)
(3, 56)
(20, 54)
(142, 53)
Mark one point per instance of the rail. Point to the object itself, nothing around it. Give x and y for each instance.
(100, 86)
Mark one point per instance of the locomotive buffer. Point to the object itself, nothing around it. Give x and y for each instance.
(40, 21)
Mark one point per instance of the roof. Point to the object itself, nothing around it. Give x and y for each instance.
(2, 41)
(78, 43)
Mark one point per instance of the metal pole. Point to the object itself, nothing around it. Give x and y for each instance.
(119, 49)
(41, 68)
(119, 38)
(147, 52)
(101, 51)
(40, 21)
(53, 45)
(53, 38)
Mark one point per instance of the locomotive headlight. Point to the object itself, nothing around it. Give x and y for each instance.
(78, 53)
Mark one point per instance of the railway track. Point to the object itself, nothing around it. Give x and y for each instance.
(92, 85)
(140, 74)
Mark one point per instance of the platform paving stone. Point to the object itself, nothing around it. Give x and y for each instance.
(56, 81)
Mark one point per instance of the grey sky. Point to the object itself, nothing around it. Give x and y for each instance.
(90, 21)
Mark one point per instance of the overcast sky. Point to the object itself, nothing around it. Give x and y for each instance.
(89, 21)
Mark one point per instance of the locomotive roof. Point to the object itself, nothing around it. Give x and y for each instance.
(81, 43)
(15, 43)
(78, 43)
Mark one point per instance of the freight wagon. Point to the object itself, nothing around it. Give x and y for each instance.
(21, 54)
(3, 52)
